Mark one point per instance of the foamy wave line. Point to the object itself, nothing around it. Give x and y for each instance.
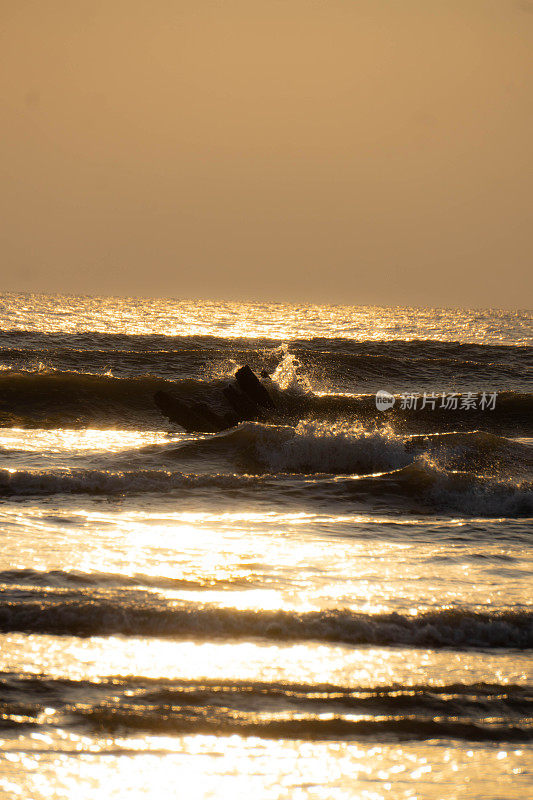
(310, 447)
(86, 481)
(341, 448)
(437, 629)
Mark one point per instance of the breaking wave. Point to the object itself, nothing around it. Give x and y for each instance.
(55, 399)
(341, 448)
(421, 486)
(450, 628)
(311, 447)
(425, 486)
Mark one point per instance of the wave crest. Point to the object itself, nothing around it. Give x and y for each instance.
(450, 628)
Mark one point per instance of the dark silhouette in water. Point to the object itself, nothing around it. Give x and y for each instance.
(247, 399)
(252, 387)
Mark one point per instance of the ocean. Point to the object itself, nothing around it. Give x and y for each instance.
(331, 604)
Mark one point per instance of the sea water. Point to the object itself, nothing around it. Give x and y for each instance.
(334, 604)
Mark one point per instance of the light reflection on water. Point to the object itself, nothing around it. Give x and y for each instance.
(305, 662)
(268, 560)
(201, 766)
(131, 554)
(269, 320)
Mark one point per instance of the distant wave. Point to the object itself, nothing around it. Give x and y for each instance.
(476, 712)
(329, 367)
(72, 399)
(418, 368)
(20, 342)
(436, 629)
(73, 363)
(67, 579)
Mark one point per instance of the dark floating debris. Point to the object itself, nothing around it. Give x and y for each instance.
(246, 399)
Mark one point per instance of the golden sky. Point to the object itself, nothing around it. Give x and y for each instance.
(352, 151)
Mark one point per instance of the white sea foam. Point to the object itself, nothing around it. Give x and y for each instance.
(337, 448)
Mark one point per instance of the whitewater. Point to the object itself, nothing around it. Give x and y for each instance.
(333, 604)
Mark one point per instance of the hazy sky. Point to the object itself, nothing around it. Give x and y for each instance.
(351, 151)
